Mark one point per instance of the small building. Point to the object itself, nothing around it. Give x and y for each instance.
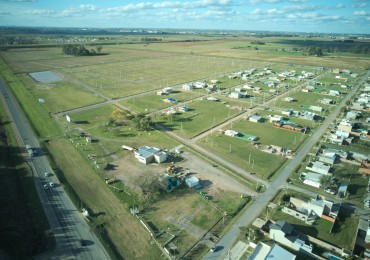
(275, 118)
(289, 99)
(199, 84)
(169, 100)
(288, 112)
(353, 114)
(171, 111)
(255, 119)
(334, 92)
(214, 81)
(183, 109)
(328, 159)
(188, 86)
(147, 154)
(309, 115)
(316, 108)
(231, 133)
(318, 167)
(192, 181)
(212, 99)
(312, 179)
(274, 252)
(167, 90)
(345, 126)
(342, 190)
(327, 101)
(342, 133)
(235, 94)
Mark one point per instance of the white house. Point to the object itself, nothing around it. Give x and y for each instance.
(318, 167)
(289, 99)
(275, 118)
(214, 81)
(199, 84)
(274, 252)
(231, 133)
(212, 99)
(235, 94)
(287, 112)
(334, 92)
(312, 179)
(187, 86)
(255, 119)
(167, 90)
(146, 154)
(284, 233)
(327, 101)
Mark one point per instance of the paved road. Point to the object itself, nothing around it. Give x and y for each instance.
(261, 202)
(67, 223)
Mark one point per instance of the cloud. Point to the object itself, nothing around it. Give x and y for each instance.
(340, 6)
(18, 0)
(39, 12)
(4, 13)
(360, 13)
(88, 8)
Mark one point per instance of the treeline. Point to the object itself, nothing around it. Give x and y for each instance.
(314, 51)
(358, 49)
(151, 39)
(80, 50)
(18, 40)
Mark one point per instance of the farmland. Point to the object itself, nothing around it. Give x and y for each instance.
(127, 77)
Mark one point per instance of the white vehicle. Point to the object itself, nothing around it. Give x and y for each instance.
(47, 174)
(46, 187)
(52, 185)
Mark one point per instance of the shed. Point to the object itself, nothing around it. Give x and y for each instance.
(183, 109)
(192, 181)
(167, 90)
(342, 190)
(255, 119)
(288, 112)
(187, 86)
(235, 94)
(231, 133)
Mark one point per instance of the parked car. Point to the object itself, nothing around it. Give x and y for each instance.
(47, 174)
(52, 185)
(46, 187)
(330, 191)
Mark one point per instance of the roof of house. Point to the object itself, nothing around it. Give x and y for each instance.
(277, 252)
(283, 226)
(146, 151)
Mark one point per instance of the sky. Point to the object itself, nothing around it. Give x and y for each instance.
(313, 16)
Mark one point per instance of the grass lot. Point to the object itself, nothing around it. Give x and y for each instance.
(42, 123)
(202, 116)
(23, 222)
(342, 234)
(152, 102)
(126, 234)
(239, 154)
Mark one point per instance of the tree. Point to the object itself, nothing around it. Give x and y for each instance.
(142, 122)
(99, 48)
(326, 181)
(150, 185)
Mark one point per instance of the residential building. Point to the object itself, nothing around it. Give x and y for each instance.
(255, 119)
(167, 90)
(334, 92)
(236, 94)
(318, 167)
(231, 133)
(327, 101)
(188, 86)
(288, 112)
(284, 233)
(274, 252)
(312, 179)
(183, 109)
(342, 190)
(329, 159)
(289, 99)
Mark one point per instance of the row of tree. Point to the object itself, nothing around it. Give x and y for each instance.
(358, 49)
(124, 117)
(314, 51)
(80, 50)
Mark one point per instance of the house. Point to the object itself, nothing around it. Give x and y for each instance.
(211, 87)
(169, 100)
(289, 99)
(275, 118)
(327, 101)
(309, 115)
(312, 179)
(192, 181)
(231, 133)
(353, 114)
(212, 99)
(235, 94)
(312, 209)
(342, 133)
(305, 90)
(345, 126)
(199, 84)
(171, 111)
(160, 93)
(329, 159)
(214, 81)
(188, 86)
(255, 119)
(183, 109)
(342, 190)
(318, 167)
(146, 154)
(167, 90)
(248, 86)
(333, 92)
(284, 233)
(288, 112)
(274, 252)
(316, 108)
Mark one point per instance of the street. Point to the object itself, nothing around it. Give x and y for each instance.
(67, 223)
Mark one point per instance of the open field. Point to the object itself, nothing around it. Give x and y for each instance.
(238, 152)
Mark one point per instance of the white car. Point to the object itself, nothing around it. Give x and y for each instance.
(46, 187)
(52, 185)
(47, 174)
